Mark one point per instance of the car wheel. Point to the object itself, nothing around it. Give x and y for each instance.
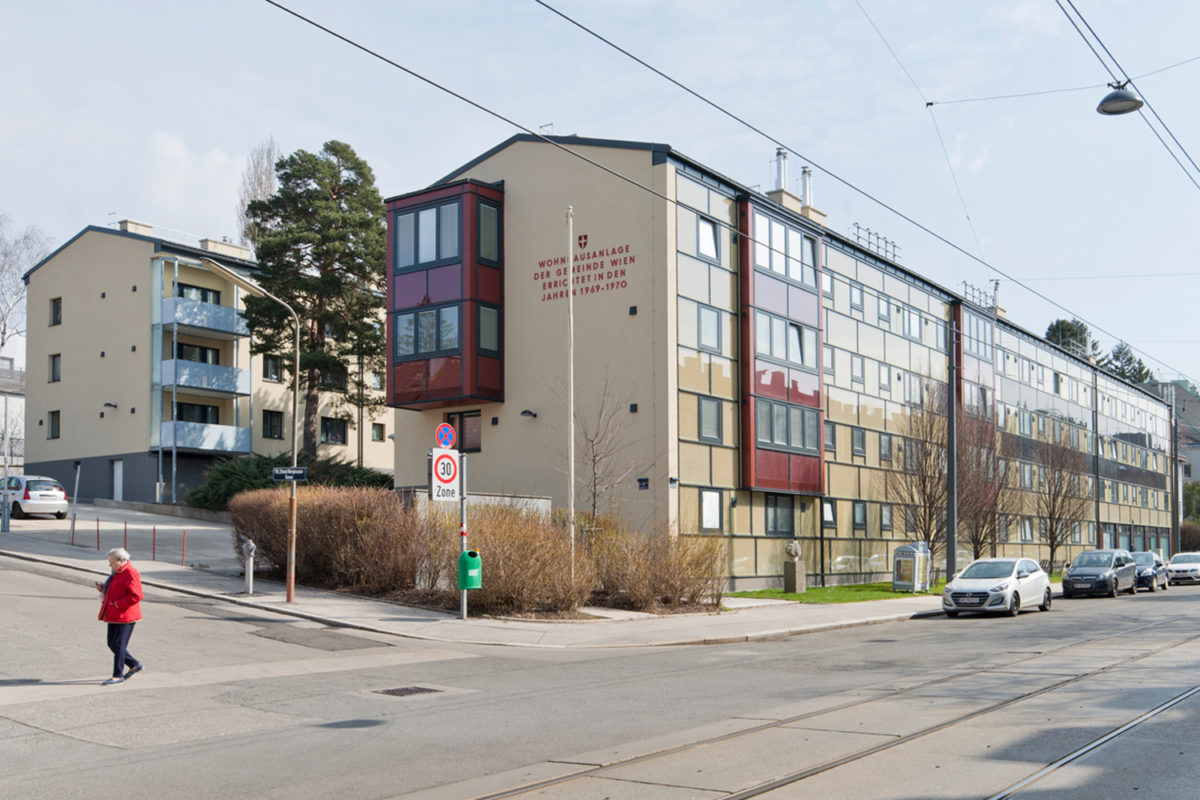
(951, 614)
(1114, 589)
(1045, 606)
(1166, 584)
(17, 513)
(1154, 584)
(1133, 587)
(1014, 605)
(60, 515)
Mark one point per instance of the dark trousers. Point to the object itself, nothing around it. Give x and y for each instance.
(118, 641)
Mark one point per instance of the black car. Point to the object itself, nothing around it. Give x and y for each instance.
(1151, 571)
(1100, 572)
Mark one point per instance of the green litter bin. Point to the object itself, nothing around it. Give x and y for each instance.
(470, 570)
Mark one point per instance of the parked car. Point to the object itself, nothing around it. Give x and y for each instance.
(1003, 585)
(1184, 568)
(35, 494)
(1100, 572)
(1151, 571)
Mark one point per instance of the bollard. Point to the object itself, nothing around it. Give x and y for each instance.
(183, 556)
(97, 534)
(73, 529)
(248, 548)
(125, 543)
(154, 543)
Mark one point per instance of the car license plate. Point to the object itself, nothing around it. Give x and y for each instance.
(1082, 585)
(969, 601)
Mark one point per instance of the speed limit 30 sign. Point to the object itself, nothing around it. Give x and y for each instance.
(444, 464)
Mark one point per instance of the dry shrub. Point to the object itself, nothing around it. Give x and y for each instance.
(346, 538)
(647, 572)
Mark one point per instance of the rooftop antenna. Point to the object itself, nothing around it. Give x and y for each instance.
(547, 129)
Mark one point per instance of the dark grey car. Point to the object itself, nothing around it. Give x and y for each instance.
(1100, 572)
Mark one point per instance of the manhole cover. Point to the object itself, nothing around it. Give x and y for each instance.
(406, 691)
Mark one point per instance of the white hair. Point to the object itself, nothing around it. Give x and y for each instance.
(119, 553)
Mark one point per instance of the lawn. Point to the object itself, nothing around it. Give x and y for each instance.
(853, 593)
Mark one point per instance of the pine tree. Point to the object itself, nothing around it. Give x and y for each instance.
(321, 248)
(1124, 364)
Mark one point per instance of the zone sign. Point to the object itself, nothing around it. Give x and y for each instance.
(445, 467)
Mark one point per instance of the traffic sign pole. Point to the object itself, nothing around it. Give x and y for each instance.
(462, 519)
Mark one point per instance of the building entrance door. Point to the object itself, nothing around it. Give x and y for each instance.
(118, 478)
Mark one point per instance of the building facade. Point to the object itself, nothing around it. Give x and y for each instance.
(741, 369)
(142, 375)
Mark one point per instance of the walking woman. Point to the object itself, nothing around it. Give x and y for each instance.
(121, 607)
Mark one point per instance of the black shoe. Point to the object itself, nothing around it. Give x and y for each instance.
(133, 671)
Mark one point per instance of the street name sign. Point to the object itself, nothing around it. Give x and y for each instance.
(289, 473)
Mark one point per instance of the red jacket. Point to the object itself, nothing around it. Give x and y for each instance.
(122, 596)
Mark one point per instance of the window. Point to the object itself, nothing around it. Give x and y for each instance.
(829, 513)
(856, 297)
(860, 515)
(858, 441)
(377, 434)
(427, 235)
(710, 510)
(785, 427)
(198, 293)
(831, 436)
(273, 369)
(885, 378)
(706, 239)
(196, 412)
(333, 431)
(780, 517)
(272, 424)
(710, 419)
(710, 329)
(55, 318)
(885, 517)
(334, 379)
(197, 353)
(55, 368)
(827, 358)
(827, 284)
(784, 250)
(53, 428)
(912, 323)
(885, 447)
(781, 339)
(489, 329)
(885, 309)
(856, 369)
(1026, 530)
(489, 232)
(375, 381)
(6, 362)
(426, 332)
(469, 425)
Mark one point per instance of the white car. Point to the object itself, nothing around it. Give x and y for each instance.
(1004, 585)
(1184, 568)
(35, 494)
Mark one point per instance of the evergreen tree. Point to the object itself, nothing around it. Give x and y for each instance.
(321, 248)
(1124, 364)
(1075, 337)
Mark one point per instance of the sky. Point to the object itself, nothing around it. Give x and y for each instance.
(148, 110)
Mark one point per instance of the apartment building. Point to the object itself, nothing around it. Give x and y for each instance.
(741, 369)
(139, 373)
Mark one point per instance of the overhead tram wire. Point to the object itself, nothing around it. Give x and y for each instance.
(717, 107)
(663, 197)
(937, 128)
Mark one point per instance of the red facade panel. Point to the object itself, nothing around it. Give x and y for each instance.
(445, 377)
(445, 284)
(805, 473)
(771, 467)
(409, 382)
(804, 388)
(770, 380)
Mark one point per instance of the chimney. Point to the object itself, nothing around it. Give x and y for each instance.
(226, 248)
(140, 228)
(780, 169)
(806, 192)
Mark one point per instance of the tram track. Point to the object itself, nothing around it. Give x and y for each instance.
(797, 776)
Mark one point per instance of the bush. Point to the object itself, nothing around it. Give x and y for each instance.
(650, 572)
(229, 476)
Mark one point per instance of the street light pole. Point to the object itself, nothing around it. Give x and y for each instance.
(253, 288)
(571, 381)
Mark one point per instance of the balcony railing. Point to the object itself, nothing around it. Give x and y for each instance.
(208, 438)
(202, 377)
(204, 316)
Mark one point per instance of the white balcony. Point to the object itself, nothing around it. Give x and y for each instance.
(207, 379)
(205, 438)
(205, 319)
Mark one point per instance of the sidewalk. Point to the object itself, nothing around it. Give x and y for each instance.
(746, 619)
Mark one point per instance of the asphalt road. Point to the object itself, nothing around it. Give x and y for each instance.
(240, 703)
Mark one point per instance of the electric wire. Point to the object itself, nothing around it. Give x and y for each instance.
(848, 184)
(614, 173)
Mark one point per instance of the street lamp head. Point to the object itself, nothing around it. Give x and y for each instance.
(1119, 101)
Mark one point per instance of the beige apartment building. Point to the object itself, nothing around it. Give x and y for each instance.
(139, 373)
(742, 369)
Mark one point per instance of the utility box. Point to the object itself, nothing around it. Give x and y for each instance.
(470, 570)
(910, 568)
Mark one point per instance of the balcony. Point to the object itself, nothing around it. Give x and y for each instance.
(205, 379)
(197, 436)
(204, 319)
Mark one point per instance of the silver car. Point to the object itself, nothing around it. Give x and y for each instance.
(1004, 585)
(35, 494)
(1184, 568)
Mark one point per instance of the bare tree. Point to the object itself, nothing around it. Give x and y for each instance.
(258, 183)
(918, 481)
(18, 252)
(985, 486)
(1060, 496)
(602, 445)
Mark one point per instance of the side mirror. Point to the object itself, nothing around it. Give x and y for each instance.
(1022, 574)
